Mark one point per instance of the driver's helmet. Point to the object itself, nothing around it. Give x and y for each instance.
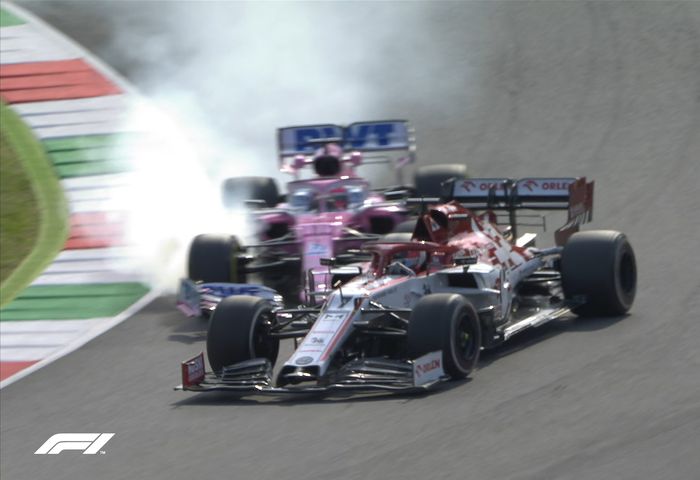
(337, 200)
(327, 160)
(415, 260)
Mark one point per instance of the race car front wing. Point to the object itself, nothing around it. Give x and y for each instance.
(368, 374)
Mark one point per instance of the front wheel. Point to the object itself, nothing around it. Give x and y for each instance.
(446, 322)
(239, 330)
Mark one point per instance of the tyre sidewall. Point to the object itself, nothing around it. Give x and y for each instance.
(232, 331)
(455, 364)
(601, 266)
(433, 326)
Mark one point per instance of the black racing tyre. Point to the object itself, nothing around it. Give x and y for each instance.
(214, 258)
(447, 322)
(429, 178)
(239, 331)
(601, 266)
(407, 226)
(237, 190)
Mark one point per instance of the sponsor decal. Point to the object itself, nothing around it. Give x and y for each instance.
(88, 443)
(304, 360)
(363, 135)
(556, 186)
(481, 186)
(296, 140)
(195, 370)
(545, 186)
(366, 135)
(334, 316)
(318, 249)
(422, 369)
(469, 185)
(427, 368)
(228, 289)
(318, 340)
(530, 184)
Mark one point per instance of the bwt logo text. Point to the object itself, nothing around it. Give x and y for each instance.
(89, 443)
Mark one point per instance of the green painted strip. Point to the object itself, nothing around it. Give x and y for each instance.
(82, 290)
(8, 19)
(65, 302)
(88, 141)
(51, 203)
(94, 168)
(87, 155)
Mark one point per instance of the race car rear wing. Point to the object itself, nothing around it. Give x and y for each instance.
(572, 194)
(377, 136)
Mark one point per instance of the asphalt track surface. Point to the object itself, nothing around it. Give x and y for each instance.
(609, 90)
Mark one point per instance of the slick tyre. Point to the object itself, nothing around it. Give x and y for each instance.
(237, 190)
(447, 322)
(215, 258)
(600, 266)
(429, 178)
(239, 331)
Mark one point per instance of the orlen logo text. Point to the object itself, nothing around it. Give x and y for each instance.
(480, 185)
(533, 185)
(88, 443)
(422, 369)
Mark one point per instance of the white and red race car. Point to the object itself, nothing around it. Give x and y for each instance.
(422, 308)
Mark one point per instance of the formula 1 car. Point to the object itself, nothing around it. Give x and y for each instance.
(329, 215)
(419, 312)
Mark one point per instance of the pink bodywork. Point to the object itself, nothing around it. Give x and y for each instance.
(321, 233)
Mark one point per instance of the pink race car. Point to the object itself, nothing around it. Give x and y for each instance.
(331, 214)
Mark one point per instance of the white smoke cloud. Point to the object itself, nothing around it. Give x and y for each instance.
(224, 75)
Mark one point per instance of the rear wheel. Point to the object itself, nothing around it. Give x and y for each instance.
(215, 258)
(239, 330)
(601, 266)
(429, 179)
(237, 190)
(446, 322)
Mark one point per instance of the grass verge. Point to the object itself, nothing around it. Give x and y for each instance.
(51, 229)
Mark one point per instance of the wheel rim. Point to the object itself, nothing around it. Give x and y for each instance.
(628, 273)
(466, 340)
(262, 344)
